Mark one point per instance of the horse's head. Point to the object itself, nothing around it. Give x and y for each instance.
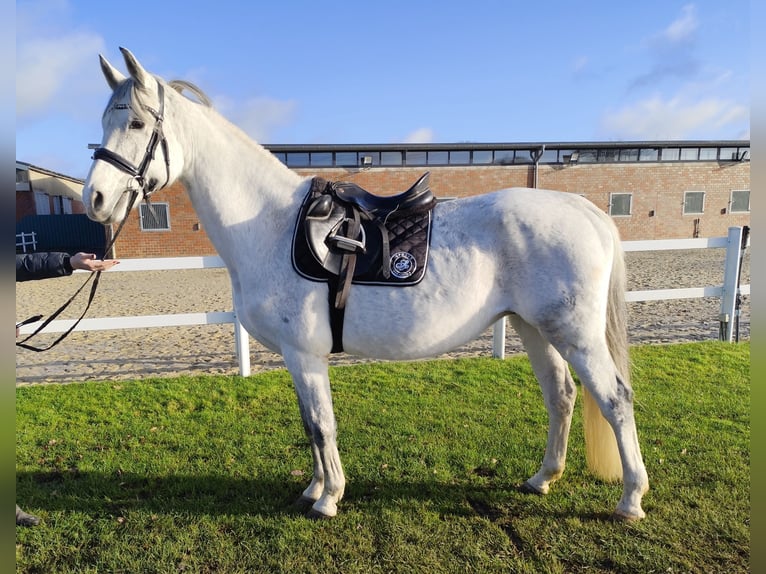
(137, 154)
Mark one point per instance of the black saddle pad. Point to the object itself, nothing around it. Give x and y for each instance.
(409, 238)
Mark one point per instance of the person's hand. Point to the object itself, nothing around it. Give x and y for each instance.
(88, 262)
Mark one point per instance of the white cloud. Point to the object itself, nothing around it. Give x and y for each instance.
(676, 118)
(580, 65)
(420, 135)
(56, 65)
(52, 73)
(258, 117)
(684, 27)
(672, 52)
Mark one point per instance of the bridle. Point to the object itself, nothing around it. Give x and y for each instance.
(138, 173)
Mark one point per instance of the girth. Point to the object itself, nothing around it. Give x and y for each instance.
(345, 235)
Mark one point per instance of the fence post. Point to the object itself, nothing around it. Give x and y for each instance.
(734, 250)
(498, 339)
(242, 343)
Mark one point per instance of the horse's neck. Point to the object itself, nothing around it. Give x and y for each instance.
(234, 182)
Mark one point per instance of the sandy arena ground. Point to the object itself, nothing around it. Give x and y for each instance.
(210, 349)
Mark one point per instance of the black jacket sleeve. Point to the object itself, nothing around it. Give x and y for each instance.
(42, 265)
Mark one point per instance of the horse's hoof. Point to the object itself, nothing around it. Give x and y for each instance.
(316, 515)
(527, 488)
(304, 502)
(618, 516)
(24, 519)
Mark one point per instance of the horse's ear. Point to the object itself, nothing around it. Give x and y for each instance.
(136, 70)
(113, 76)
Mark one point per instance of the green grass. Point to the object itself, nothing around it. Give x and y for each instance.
(198, 474)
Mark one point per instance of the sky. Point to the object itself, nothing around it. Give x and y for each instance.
(399, 71)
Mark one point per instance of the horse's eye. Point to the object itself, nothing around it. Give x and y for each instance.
(136, 125)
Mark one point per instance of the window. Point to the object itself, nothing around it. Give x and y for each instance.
(346, 158)
(415, 157)
(390, 158)
(740, 201)
(460, 157)
(729, 154)
(620, 204)
(62, 205)
(298, 159)
(690, 153)
(482, 156)
(503, 156)
(649, 154)
(369, 158)
(587, 156)
(708, 153)
(671, 154)
(735, 154)
(22, 180)
(694, 202)
(42, 203)
(438, 157)
(154, 216)
(628, 155)
(549, 156)
(523, 156)
(321, 159)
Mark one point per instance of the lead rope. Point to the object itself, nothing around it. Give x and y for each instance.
(95, 275)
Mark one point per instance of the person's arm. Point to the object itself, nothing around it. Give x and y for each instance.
(43, 265)
(49, 264)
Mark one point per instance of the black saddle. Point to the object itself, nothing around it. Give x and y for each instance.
(345, 234)
(416, 198)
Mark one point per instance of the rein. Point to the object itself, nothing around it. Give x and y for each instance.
(139, 174)
(95, 275)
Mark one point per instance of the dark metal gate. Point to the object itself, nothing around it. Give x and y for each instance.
(70, 233)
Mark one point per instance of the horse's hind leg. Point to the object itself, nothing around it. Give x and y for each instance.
(614, 396)
(312, 386)
(559, 394)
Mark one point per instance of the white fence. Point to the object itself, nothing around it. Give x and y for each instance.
(26, 239)
(727, 292)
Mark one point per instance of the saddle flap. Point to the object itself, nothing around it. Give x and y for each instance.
(327, 243)
(317, 230)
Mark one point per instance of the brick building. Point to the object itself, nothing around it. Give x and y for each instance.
(653, 190)
(50, 215)
(40, 191)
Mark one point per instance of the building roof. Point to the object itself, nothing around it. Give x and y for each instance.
(44, 171)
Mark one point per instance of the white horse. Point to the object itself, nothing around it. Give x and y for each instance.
(550, 261)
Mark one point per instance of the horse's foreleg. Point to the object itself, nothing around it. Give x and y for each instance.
(312, 386)
(559, 394)
(314, 490)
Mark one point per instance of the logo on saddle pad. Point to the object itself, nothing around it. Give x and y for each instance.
(402, 265)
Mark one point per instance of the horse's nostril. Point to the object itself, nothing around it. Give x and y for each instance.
(98, 200)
